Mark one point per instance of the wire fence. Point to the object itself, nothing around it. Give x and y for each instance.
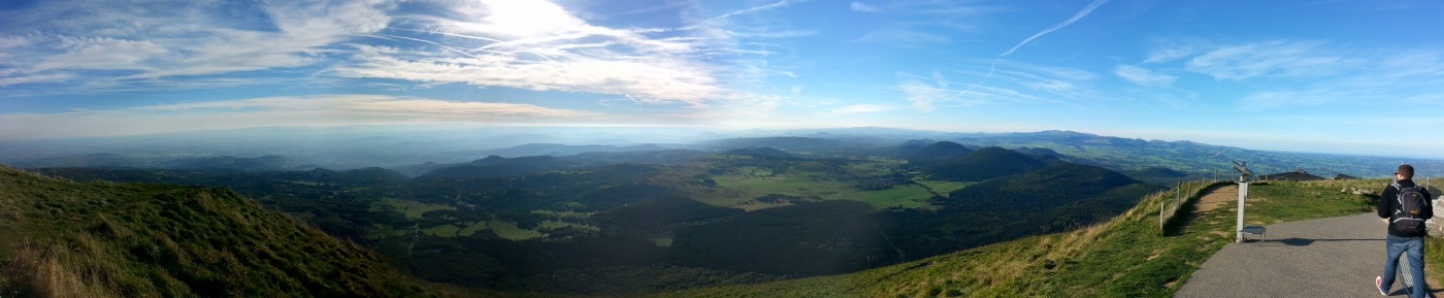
(1174, 210)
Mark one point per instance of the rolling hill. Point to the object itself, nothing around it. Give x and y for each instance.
(936, 152)
(986, 163)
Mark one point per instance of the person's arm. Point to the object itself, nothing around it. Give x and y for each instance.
(1429, 203)
(1386, 206)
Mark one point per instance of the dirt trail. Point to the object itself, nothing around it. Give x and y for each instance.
(1218, 198)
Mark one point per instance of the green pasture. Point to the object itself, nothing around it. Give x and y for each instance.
(412, 209)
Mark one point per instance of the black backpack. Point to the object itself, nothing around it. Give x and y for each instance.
(1408, 214)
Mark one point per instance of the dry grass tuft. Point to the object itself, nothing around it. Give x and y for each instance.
(41, 270)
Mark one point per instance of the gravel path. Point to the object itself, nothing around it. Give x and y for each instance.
(1330, 257)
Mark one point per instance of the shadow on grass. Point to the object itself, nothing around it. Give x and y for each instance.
(1185, 214)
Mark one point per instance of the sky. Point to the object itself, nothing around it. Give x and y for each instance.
(1332, 76)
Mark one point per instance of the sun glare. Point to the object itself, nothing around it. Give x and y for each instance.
(528, 18)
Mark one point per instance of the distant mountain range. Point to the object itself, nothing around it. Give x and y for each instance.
(360, 147)
(111, 160)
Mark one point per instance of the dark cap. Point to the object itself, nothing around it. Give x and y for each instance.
(1406, 170)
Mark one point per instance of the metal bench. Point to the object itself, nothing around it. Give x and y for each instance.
(1254, 230)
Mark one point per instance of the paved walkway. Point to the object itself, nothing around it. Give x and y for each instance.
(1330, 257)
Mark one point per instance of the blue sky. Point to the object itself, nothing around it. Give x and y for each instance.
(1358, 77)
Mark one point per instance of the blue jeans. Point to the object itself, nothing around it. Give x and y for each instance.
(1414, 248)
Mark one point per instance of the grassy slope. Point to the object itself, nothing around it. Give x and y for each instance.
(1125, 257)
(97, 239)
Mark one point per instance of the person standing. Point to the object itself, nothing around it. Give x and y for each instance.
(1406, 206)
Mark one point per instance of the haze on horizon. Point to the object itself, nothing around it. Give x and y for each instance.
(1355, 77)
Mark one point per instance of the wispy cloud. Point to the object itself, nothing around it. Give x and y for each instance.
(1171, 51)
(1315, 73)
(1053, 87)
(1270, 100)
(158, 40)
(862, 109)
(1143, 76)
(92, 46)
(864, 7)
(325, 110)
(541, 46)
(1011, 83)
(6, 80)
(654, 81)
(922, 22)
(923, 94)
(903, 37)
(1269, 58)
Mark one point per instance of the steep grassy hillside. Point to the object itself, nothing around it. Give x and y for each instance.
(98, 239)
(1128, 256)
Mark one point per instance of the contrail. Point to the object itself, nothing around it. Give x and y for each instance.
(752, 10)
(783, 3)
(1075, 18)
(1082, 13)
(471, 37)
(422, 40)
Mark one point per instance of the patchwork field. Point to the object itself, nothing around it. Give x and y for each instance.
(744, 184)
(412, 209)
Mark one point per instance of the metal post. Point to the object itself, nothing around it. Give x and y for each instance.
(1178, 200)
(1242, 193)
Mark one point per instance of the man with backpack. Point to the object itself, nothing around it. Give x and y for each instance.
(1407, 206)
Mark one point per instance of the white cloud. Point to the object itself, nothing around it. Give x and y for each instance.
(324, 110)
(1270, 58)
(376, 105)
(864, 7)
(658, 80)
(1143, 76)
(159, 40)
(540, 46)
(99, 46)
